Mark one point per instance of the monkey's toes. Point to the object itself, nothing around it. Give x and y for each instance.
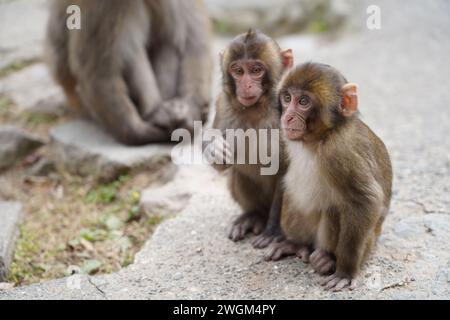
(280, 250)
(304, 254)
(322, 262)
(266, 238)
(244, 224)
(336, 283)
(237, 233)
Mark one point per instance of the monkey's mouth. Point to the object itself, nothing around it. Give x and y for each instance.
(248, 101)
(296, 133)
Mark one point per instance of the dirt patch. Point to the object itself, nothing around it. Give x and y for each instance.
(72, 223)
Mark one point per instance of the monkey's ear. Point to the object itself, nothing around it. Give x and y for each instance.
(349, 103)
(287, 58)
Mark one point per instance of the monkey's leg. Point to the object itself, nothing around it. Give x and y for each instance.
(169, 113)
(247, 194)
(351, 245)
(272, 232)
(114, 109)
(322, 259)
(194, 86)
(288, 248)
(143, 85)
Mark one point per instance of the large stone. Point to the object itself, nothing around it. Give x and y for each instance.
(15, 144)
(33, 89)
(278, 16)
(174, 196)
(10, 215)
(83, 148)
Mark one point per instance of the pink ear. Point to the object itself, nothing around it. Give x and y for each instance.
(287, 58)
(349, 99)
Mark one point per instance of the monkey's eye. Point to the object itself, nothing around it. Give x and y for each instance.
(304, 100)
(256, 70)
(287, 97)
(238, 71)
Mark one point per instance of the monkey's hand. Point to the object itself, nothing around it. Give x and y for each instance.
(218, 153)
(337, 282)
(172, 114)
(270, 235)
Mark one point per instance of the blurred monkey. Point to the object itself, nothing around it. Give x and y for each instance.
(140, 68)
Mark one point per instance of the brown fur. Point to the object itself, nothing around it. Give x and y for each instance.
(258, 195)
(353, 175)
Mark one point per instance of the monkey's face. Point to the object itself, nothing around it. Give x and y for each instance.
(248, 76)
(314, 99)
(297, 107)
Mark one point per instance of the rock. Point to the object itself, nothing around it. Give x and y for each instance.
(15, 144)
(277, 16)
(42, 168)
(33, 89)
(6, 285)
(173, 197)
(83, 148)
(23, 26)
(10, 215)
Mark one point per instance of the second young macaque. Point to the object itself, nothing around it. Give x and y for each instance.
(252, 65)
(339, 178)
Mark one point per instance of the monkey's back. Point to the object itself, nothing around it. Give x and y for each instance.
(355, 158)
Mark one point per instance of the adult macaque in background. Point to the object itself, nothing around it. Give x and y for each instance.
(339, 179)
(252, 65)
(140, 68)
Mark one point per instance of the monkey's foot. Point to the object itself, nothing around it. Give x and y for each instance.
(323, 262)
(248, 222)
(288, 248)
(170, 115)
(270, 235)
(337, 283)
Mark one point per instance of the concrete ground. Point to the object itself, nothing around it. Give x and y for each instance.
(404, 83)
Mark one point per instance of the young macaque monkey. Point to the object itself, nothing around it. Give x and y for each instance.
(339, 177)
(252, 65)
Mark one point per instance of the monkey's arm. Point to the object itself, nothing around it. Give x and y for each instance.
(219, 123)
(194, 86)
(273, 232)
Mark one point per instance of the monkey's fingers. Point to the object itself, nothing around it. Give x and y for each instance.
(222, 152)
(211, 155)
